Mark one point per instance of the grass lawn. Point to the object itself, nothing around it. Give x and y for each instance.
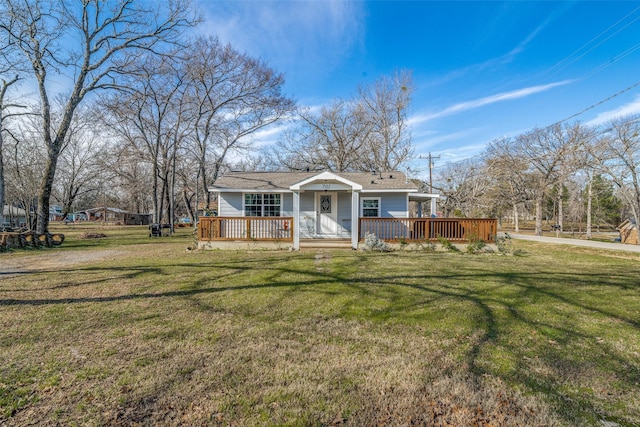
(130, 330)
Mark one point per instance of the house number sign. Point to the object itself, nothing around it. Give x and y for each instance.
(326, 187)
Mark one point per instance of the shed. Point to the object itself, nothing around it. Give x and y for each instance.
(628, 232)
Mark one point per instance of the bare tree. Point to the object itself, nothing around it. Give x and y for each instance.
(232, 97)
(386, 103)
(4, 115)
(24, 159)
(126, 173)
(617, 153)
(464, 185)
(510, 177)
(366, 132)
(101, 39)
(79, 169)
(149, 116)
(549, 154)
(332, 139)
(11, 66)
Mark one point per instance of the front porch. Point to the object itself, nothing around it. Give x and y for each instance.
(277, 231)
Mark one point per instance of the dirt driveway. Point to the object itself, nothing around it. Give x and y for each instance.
(51, 260)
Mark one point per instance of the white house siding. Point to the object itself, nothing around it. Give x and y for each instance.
(344, 214)
(230, 204)
(307, 214)
(392, 205)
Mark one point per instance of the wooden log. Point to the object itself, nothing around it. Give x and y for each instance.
(57, 239)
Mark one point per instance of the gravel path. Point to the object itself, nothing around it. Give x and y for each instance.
(577, 242)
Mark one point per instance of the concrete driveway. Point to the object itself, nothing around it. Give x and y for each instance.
(577, 242)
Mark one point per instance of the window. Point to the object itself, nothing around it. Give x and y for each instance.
(371, 207)
(257, 204)
(325, 204)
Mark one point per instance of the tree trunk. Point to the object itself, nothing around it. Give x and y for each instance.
(203, 176)
(3, 91)
(156, 211)
(589, 196)
(42, 224)
(538, 229)
(560, 213)
(516, 220)
(187, 203)
(1, 172)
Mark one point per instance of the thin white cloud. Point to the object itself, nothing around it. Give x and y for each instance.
(269, 135)
(444, 157)
(477, 103)
(461, 153)
(316, 34)
(622, 111)
(507, 58)
(430, 142)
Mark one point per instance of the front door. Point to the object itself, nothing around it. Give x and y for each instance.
(327, 213)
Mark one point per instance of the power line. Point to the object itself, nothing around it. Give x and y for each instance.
(597, 104)
(611, 61)
(568, 60)
(564, 64)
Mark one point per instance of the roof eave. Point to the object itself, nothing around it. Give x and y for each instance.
(326, 176)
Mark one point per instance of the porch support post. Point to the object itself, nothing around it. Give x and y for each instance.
(433, 207)
(355, 232)
(296, 220)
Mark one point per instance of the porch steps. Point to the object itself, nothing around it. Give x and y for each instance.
(325, 243)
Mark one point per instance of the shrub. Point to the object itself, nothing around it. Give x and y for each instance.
(504, 244)
(403, 242)
(475, 245)
(446, 244)
(372, 243)
(426, 246)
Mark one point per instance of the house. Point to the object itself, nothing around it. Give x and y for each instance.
(299, 207)
(13, 217)
(55, 213)
(115, 216)
(628, 232)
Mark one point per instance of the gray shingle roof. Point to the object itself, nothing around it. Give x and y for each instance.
(262, 181)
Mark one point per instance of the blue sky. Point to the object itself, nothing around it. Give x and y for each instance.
(482, 69)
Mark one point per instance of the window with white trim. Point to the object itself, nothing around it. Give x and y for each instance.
(370, 207)
(259, 204)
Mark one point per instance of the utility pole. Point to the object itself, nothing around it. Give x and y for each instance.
(430, 158)
(433, 200)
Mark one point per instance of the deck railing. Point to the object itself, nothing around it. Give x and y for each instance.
(416, 229)
(389, 229)
(245, 228)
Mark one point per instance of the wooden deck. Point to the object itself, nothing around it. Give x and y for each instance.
(281, 230)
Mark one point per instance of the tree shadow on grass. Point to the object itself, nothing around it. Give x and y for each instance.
(498, 316)
(500, 303)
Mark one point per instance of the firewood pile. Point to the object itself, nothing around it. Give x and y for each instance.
(29, 239)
